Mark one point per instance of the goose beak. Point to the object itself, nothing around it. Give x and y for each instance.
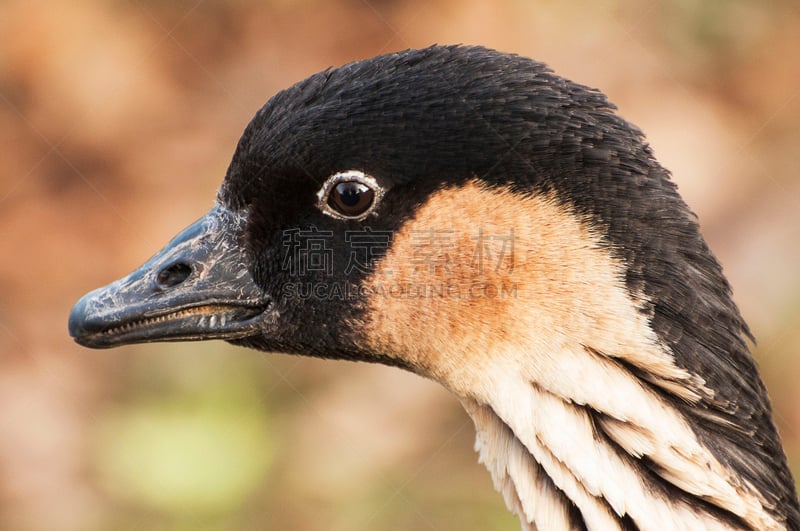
(197, 287)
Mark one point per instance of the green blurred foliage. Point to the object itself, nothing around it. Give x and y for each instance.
(185, 440)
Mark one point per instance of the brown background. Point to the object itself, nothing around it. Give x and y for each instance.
(117, 121)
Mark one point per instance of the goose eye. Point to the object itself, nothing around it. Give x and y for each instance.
(349, 195)
(351, 198)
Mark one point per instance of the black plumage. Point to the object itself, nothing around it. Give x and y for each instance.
(421, 121)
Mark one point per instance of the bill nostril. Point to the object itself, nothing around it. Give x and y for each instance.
(173, 275)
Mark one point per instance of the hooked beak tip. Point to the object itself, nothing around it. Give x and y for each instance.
(82, 324)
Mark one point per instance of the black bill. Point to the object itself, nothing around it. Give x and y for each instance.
(197, 287)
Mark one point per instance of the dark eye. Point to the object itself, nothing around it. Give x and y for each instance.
(349, 195)
(351, 198)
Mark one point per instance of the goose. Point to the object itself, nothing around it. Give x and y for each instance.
(472, 217)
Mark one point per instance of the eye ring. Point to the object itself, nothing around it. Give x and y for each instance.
(349, 195)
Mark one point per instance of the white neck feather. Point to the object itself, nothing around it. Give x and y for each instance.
(560, 445)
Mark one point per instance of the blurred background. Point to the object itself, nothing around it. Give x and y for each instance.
(117, 121)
